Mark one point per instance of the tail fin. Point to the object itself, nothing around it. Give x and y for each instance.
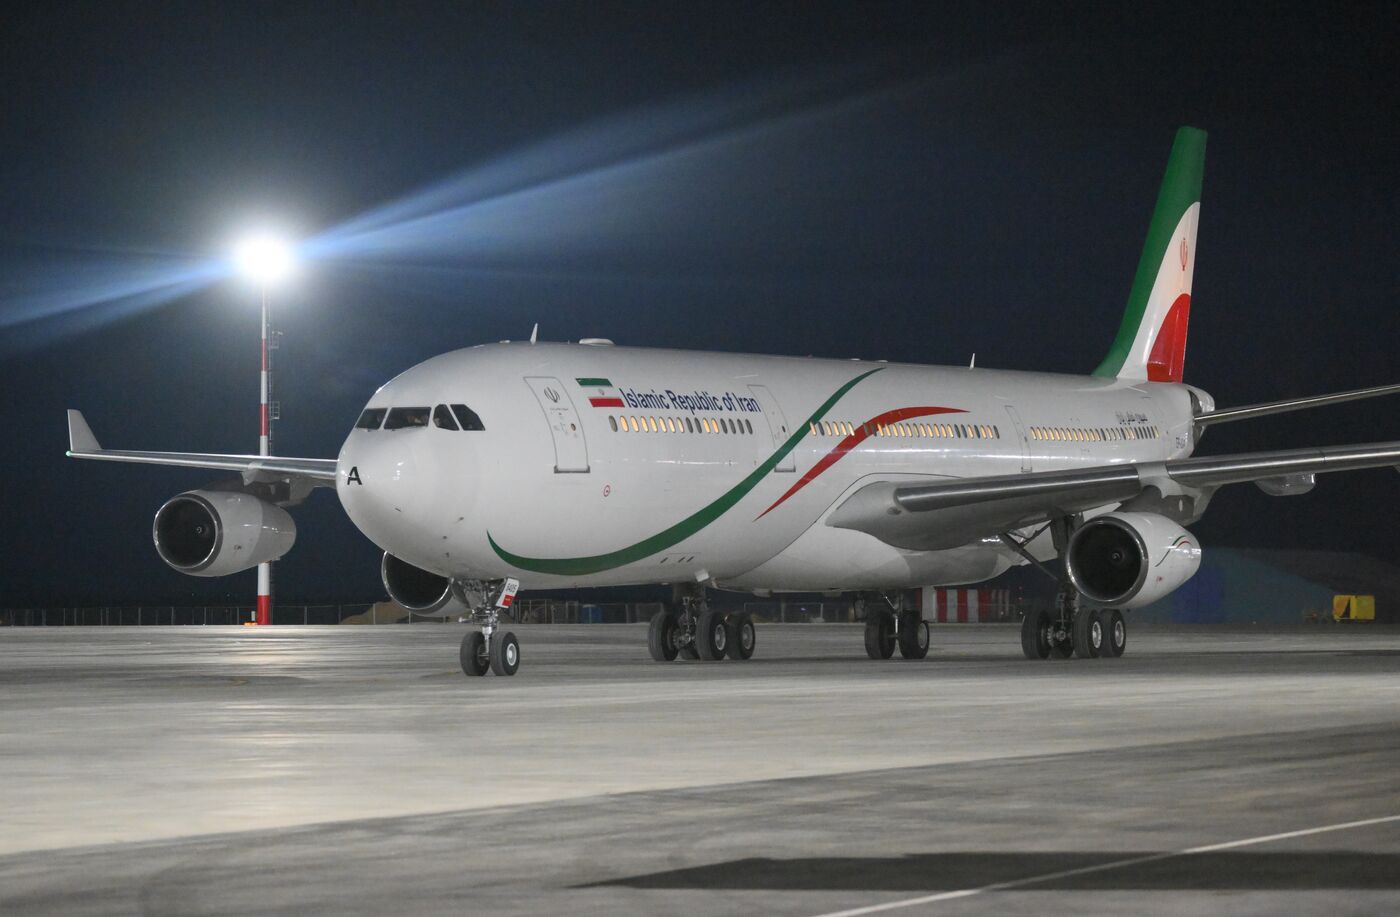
(1151, 342)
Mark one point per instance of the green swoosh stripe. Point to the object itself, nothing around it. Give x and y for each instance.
(582, 566)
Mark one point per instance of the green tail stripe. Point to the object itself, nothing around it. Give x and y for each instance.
(594, 383)
(1181, 187)
(582, 566)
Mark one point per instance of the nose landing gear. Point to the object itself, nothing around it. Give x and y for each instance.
(486, 649)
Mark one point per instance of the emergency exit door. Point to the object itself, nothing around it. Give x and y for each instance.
(777, 425)
(570, 448)
(1021, 438)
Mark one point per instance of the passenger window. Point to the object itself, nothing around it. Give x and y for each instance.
(371, 419)
(400, 418)
(748, 427)
(442, 417)
(612, 422)
(467, 417)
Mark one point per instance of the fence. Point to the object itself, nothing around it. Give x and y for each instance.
(942, 606)
(153, 615)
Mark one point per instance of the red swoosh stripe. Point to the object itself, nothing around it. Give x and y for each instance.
(850, 442)
(605, 402)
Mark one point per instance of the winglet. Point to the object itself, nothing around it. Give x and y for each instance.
(80, 438)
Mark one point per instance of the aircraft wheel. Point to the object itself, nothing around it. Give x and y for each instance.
(879, 636)
(711, 636)
(913, 636)
(473, 653)
(1115, 634)
(661, 637)
(1088, 634)
(505, 654)
(1035, 634)
(741, 637)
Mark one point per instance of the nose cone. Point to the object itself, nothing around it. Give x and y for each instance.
(381, 485)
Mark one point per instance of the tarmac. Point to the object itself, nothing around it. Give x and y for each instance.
(355, 770)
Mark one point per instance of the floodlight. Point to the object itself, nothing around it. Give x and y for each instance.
(264, 259)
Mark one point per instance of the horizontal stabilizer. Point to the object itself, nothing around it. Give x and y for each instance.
(80, 438)
(1249, 412)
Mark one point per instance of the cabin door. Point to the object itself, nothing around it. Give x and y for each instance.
(570, 449)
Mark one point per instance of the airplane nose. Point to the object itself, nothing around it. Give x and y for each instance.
(379, 484)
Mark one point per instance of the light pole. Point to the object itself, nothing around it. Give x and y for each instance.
(265, 260)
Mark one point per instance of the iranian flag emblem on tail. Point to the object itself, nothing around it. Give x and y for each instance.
(601, 393)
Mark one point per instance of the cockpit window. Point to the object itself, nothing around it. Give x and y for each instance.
(406, 417)
(442, 417)
(371, 419)
(467, 417)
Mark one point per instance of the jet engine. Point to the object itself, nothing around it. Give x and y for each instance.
(418, 590)
(1127, 560)
(215, 533)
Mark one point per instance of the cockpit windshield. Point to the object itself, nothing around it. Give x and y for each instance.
(400, 418)
(371, 419)
(467, 417)
(442, 417)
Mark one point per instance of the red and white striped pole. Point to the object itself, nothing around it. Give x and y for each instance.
(264, 612)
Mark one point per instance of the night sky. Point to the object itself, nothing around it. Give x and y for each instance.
(915, 183)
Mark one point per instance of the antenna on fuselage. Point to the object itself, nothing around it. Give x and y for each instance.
(972, 364)
(535, 333)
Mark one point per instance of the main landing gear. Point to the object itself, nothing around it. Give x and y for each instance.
(1086, 633)
(486, 649)
(696, 632)
(888, 625)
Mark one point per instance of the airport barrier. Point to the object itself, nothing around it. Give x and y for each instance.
(945, 608)
(166, 615)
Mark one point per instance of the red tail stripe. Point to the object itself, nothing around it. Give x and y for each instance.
(1168, 357)
(855, 439)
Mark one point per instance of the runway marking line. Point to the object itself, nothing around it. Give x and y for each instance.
(1104, 867)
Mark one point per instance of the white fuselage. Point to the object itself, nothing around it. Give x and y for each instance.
(735, 464)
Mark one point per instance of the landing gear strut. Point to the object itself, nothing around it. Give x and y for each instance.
(486, 649)
(696, 632)
(888, 625)
(1070, 630)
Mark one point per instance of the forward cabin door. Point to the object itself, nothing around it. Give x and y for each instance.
(777, 425)
(1021, 438)
(570, 449)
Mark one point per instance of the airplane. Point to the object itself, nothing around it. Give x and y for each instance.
(570, 465)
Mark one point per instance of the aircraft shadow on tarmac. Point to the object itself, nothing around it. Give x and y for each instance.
(936, 872)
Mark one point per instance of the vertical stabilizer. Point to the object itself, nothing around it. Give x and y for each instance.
(1151, 342)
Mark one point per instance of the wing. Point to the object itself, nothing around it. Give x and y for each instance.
(955, 512)
(302, 472)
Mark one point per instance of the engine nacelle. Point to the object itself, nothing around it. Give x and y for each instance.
(215, 533)
(418, 590)
(1127, 560)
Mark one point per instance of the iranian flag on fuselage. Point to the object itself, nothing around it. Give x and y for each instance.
(600, 392)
